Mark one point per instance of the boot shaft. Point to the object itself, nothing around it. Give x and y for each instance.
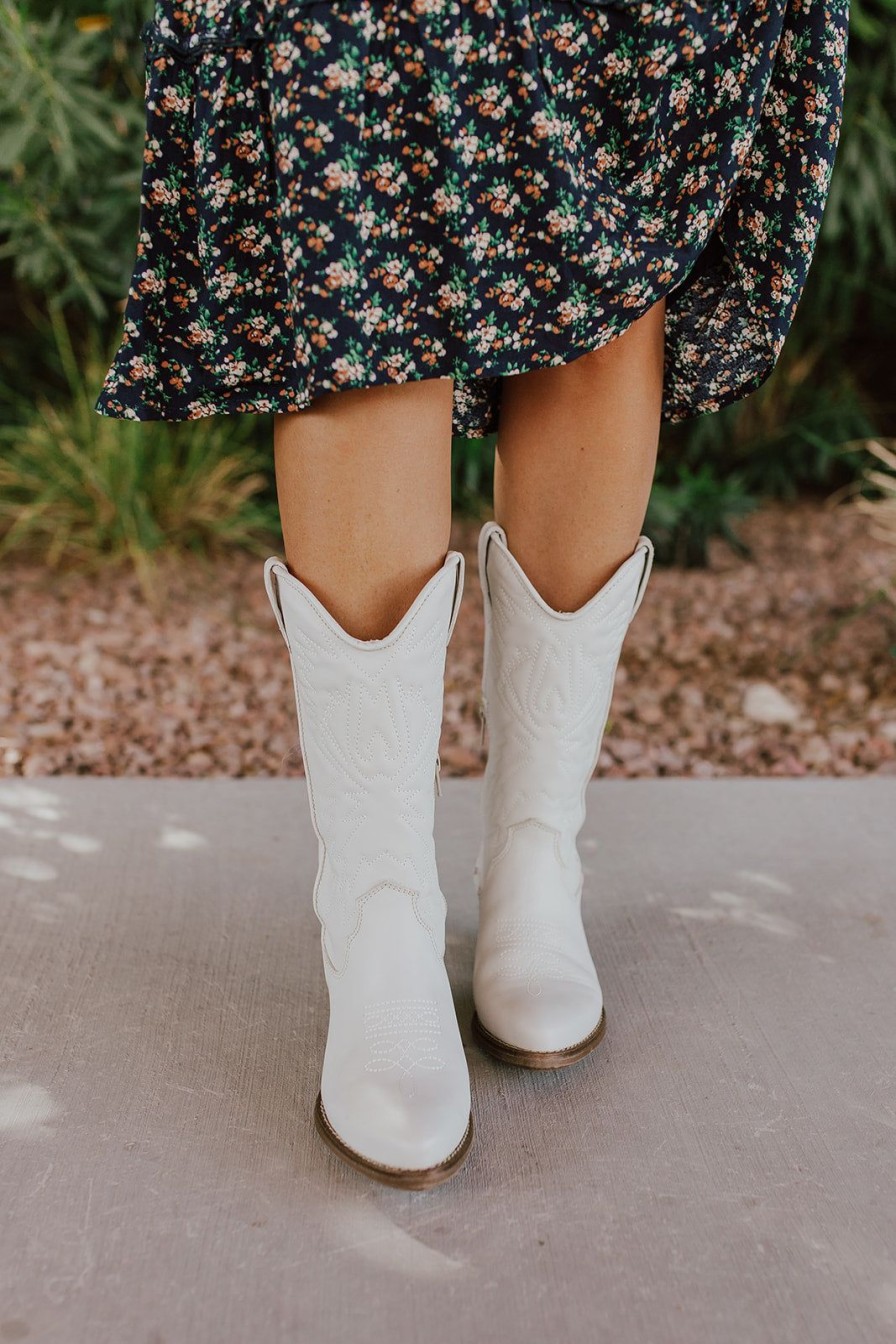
(548, 681)
(370, 715)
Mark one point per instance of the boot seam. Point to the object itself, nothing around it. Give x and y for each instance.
(361, 901)
(513, 826)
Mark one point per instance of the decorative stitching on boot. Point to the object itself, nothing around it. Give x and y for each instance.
(403, 1034)
(416, 903)
(527, 950)
(370, 734)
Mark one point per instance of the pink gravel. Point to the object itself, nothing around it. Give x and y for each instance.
(756, 667)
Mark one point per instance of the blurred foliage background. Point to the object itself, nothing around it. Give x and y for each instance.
(78, 487)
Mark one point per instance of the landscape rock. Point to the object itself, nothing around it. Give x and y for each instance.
(764, 703)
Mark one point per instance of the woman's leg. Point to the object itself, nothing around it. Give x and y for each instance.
(365, 494)
(364, 486)
(575, 461)
(576, 454)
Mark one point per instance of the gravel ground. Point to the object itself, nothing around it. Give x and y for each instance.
(755, 667)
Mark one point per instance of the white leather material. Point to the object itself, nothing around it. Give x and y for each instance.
(546, 689)
(394, 1085)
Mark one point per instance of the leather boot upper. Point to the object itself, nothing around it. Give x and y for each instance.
(547, 684)
(394, 1083)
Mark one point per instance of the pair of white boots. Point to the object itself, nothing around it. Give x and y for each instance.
(394, 1099)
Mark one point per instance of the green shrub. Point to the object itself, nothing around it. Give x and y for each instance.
(682, 517)
(472, 468)
(71, 108)
(873, 493)
(82, 488)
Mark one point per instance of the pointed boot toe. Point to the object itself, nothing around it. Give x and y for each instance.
(539, 1001)
(413, 1134)
(563, 1026)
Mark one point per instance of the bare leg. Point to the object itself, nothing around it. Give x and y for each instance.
(575, 462)
(576, 455)
(364, 487)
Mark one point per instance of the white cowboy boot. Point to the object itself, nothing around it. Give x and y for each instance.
(394, 1098)
(546, 688)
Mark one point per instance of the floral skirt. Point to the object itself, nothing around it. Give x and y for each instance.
(341, 193)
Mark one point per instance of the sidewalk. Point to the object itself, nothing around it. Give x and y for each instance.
(723, 1168)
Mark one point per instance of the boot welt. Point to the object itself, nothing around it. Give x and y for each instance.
(404, 1178)
(537, 1059)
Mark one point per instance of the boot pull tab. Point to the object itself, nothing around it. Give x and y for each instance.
(458, 593)
(273, 592)
(645, 573)
(438, 775)
(487, 533)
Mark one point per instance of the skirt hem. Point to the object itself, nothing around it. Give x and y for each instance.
(476, 413)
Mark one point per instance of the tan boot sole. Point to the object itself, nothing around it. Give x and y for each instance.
(538, 1059)
(400, 1177)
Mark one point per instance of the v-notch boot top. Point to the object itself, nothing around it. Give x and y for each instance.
(395, 1096)
(547, 684)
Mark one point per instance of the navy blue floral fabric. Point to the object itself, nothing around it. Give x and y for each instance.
(340, 193)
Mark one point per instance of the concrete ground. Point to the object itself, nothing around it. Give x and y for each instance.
(721, 1169)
